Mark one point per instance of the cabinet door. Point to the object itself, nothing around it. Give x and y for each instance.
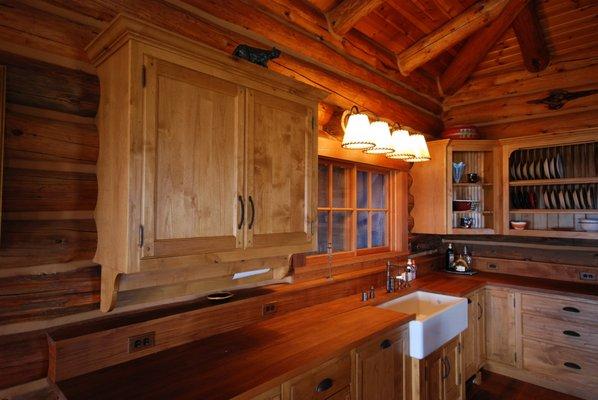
(281, 172)
(432, 388)
(501, 335)
(382, 368)
(469, 338)
(452, 370)
(480, 339)
(193, 161)
(273, 394)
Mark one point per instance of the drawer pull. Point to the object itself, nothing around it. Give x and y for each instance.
(385, 344)
(571, 333)
(572, 365)
(324, 385)
(571, 309)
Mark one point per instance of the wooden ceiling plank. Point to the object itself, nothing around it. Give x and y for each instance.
(448, 35)
(476, 48)
(345, 15)
(531, 39)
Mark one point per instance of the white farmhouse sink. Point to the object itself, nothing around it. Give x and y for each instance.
(438, 319)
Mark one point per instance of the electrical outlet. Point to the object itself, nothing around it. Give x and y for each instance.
(587, 276)
(492, 266)
(269, 308)
(142, 342)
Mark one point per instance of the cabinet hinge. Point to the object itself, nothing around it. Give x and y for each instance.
(515, 354)
(426, 374)
(313, 122)
(513, 302)
(143, 75)
(140, 235)
(459, 379)
(459, 348)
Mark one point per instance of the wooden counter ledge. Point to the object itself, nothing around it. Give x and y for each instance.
(240, 363)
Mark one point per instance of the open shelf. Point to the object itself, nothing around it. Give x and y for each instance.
(548, 182)
(553, 233)
(473, 231)
(550, 211)
(472, 184)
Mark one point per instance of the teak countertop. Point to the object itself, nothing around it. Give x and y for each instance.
(245, 361)
(250, 360)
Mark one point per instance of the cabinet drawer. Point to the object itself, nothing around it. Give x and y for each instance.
(574, 334)
(565, 308)
(320, 383)
(344, 394)
(563, 364)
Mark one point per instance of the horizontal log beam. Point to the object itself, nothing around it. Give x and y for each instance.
(560, 74)
(528, 30)
(344, 16)
(476, 48)
(448, 35)
(356, 45)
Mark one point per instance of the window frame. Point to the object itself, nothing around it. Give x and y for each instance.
(390, 234)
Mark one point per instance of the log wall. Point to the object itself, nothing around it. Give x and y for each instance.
(499, 98)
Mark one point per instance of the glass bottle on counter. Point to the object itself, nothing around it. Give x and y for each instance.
(450, 258)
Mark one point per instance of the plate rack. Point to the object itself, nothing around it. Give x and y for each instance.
(552, 187)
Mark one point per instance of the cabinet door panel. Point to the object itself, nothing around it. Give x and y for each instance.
(501, 335)
(468, 337)
(480, 339)
(382, 368)
(452, 373)
(281, 170)
(193, 161)
(433, 388)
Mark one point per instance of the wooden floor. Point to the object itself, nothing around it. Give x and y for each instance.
(499, 387)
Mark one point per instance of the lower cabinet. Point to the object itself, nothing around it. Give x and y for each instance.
(323, 382)
(273, 394)
(502, 335)
(473, 344)
(439, 375)
(382, 367)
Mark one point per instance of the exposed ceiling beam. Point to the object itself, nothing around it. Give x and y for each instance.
(530, 36)
(451, 33)
(476, 48)
(344, 16)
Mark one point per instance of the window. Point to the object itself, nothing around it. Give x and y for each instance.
(353, 208)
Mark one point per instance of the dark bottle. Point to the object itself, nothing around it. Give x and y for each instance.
(450, 258)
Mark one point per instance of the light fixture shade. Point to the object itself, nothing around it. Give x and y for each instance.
(417, 144)
(357, 131)
(400, 143)
(381, 134)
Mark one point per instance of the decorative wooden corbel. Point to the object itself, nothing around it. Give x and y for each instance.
(109, 289)
(557, 98)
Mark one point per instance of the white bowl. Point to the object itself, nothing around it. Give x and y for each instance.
(589, 225)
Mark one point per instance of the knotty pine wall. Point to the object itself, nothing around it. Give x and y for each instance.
(496, 98)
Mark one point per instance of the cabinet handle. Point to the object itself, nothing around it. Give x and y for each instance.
(446, 367)
(571, 309)
(240, 224)
(252, 213)
(468, 300)
(572, 365)
(385, 344)
(571, 333)
(480, 311)
(324, 385)
(448, 364)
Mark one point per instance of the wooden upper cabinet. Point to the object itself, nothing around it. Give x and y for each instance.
(205, 161)
(281, 159)
(193, 161)
(434, 188)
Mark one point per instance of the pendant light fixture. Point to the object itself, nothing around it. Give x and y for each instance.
(417, 144)
(400, 143)
(380, 132)
(356, 126)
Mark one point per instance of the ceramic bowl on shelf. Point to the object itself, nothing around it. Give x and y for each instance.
(462, 205)
(589, 225)
(518, 225)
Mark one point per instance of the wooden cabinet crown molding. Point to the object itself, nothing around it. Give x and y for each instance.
(125, 27)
